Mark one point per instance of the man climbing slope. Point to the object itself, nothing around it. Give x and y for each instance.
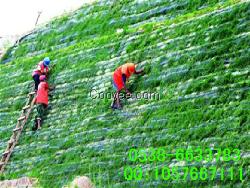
(120, 77)
(42, 69)
(42, 101)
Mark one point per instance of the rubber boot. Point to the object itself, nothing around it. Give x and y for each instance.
(34, 127)
(113, 105)
(39, 123)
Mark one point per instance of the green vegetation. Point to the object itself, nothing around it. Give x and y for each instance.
(183, 46)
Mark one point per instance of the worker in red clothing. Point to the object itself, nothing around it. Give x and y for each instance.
(42, 69)
(120, 77)
(42, 100)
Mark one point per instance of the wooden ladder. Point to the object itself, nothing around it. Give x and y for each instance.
(18, 130)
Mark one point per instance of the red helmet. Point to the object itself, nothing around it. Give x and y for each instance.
(42, 77)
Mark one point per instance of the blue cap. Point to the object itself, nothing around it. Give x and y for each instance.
(46, 61)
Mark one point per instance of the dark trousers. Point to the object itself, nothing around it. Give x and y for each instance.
(41, 109)
(37, 81)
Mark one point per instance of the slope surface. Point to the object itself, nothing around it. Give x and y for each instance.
(183, 46)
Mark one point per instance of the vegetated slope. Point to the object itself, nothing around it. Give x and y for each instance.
(183, 46)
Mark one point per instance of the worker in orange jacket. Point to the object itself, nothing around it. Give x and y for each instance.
(120, 77)
(42, 100)
(42, 69)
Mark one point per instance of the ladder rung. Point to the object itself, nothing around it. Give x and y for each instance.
(6, 153)
(21, 118)
(26, 107)
(17, 129)
(32, 93)
(11, 141)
